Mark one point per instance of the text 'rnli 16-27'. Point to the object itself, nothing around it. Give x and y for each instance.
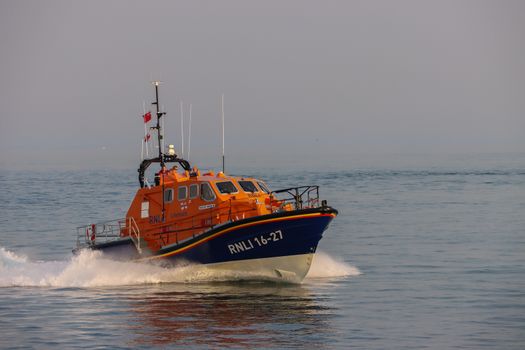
(254, 242)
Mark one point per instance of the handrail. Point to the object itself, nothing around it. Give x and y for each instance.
(302, 197)
(106, 231)
(222, 213)
(133, 230)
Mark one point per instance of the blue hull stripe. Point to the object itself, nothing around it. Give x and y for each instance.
(284, 236)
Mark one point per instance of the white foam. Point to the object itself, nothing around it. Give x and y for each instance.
(92, 269)
(88, 269)
(8, 259)
(323, 266)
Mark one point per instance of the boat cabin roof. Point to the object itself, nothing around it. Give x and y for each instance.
(173, 178)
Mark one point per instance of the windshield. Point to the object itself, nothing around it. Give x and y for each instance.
(226, 187)
(263, 186)
(248, 186)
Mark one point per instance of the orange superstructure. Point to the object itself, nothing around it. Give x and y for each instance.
(193, 203)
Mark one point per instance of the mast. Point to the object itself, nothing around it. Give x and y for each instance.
(159, 138)
(158, 127)
(162, 158)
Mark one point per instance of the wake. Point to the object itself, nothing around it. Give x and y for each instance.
(92, 269)
(324, 266)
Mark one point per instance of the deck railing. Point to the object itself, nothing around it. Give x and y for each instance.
(100, 232)
(197, 224)
(302, 197)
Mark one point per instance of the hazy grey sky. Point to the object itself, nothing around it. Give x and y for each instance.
(300, 77)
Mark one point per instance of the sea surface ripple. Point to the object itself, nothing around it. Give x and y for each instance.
(422, 255)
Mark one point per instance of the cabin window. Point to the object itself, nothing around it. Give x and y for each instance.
(183, 193)
(226, 187)
(144, 210)
(194, 191)
(207, 193)
(263, 186)
(168, 195)
(248, 186)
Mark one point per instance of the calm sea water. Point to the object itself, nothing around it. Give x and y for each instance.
(426, 253)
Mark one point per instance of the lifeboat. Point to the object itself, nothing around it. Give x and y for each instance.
(226, 222)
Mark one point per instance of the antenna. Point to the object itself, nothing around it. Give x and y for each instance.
(222, 114)
(189, 135)
(182, 128)
(163, 139)
(142, 150)
(144, 138)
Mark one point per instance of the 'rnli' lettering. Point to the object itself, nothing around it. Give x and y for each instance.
(260, 241)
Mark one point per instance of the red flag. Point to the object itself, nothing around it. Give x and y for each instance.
(147, 137)
(147, 117)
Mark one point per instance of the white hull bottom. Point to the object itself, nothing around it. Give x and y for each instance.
(292, 268)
